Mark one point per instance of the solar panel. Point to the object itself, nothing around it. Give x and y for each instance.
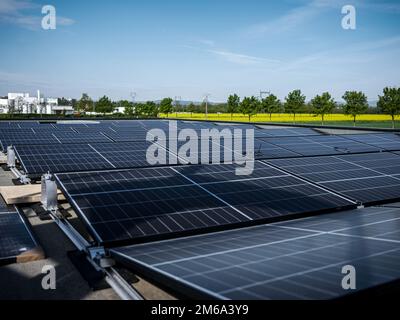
(16, 238)
(360, 177)
(17, 138)
(127, 154)
(143, 203)
(134, 204)
(265, 194)
(60, 158)
(73, 137)
(126, 136)
(8, 124)
(4, 207)
(285, 132)
(300, 259)
(265, 150)
(219, 151)
(384, 141)
(320, 145)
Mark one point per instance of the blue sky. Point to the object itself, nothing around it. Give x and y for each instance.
(188, 48)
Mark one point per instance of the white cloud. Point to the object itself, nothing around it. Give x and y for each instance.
(241, 58)
(13, 6)
(292, 19)
(207, 42)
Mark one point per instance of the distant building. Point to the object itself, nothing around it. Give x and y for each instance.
(23, 103)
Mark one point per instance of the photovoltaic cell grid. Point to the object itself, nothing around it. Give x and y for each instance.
(74, 137)
(126, 136)
(299, 259)
(150, 202)
(286, 132)
(133, 204)
(128, 154)
(267, 193)
(385, 141)
(321, 145)
(84, 157)
(368, 178)
(60, 158)
(28, 138)
(15, 237)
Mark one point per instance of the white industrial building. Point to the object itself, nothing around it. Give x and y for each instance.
(23, 103)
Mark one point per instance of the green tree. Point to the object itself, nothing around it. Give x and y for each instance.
(139, 109)
(74, 104)
(233, 104)
(166, 106)
(128, 107)
(322, 105)
(294, 102)
(104, 105)
(249, 106)
(150, 109)
(270, 105)
(64, 102)
(355, 103)
(191, 108)
(85, 104)
(389, 103)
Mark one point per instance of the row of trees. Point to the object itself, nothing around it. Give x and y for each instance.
(356, 103)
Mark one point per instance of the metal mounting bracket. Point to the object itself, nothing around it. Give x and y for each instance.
(11, 157)
(98, 254)
(49, 193)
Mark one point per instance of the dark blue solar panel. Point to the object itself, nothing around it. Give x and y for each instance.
(60, 158)
(15, 237)
(365, 178)
(300, 259)
(384, 141)
(143, 203)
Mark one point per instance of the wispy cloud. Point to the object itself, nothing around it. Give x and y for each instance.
(359, 53)
(207, 42)
(26, 14)
(291, 19)
(380, 6)
(241, 58)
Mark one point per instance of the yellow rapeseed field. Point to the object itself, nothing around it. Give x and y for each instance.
(280, 117)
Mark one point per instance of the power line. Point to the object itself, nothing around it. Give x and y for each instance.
(206, 96)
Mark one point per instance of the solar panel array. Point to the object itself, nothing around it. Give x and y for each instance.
(84, 157)
(157, 202)
(300, 259)
(103, 171)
